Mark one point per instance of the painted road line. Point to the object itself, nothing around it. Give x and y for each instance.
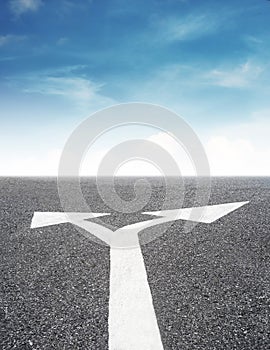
(43, 218)
(132, 319)
(206, 214)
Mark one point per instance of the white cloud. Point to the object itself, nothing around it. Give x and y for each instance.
(175, 151)
(191, 28)
(237, 77)
(228, 156)
(136, 167)
(45, 164)
(18, 7)
(253, 40)
(83, 92)
(237, 153)
(241, 148)
(77, 88)
(186, 28)
(237, 157)
(62, 41)
(9, 38)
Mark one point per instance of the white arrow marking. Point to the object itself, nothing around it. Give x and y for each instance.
(132, 320)
(43, 218)
(206, 214)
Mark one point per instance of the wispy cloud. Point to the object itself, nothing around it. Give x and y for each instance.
(253, 40)
(62, 41)
(74, 87)
(187, 28)
(83, 92)
(65, 8)
(9, 38)
(236, 77)
(176, 77)
(18, 7)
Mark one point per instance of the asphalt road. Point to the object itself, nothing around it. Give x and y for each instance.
(210, 287)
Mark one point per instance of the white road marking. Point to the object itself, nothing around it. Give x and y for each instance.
(132, 320)
(43, 218)
(206, 214)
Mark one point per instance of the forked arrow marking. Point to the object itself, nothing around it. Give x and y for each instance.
(132, 321)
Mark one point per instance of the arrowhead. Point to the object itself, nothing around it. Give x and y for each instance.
(206, 214)
(41, 219)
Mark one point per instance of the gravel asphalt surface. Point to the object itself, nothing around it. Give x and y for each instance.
(210, 287)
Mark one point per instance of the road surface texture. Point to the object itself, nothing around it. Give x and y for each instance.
(210, 287)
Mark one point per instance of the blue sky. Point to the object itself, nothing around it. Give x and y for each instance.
(206, 60)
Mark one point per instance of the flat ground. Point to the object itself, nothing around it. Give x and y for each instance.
(210, 287)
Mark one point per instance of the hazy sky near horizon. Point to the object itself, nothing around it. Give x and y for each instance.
(207, 60)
